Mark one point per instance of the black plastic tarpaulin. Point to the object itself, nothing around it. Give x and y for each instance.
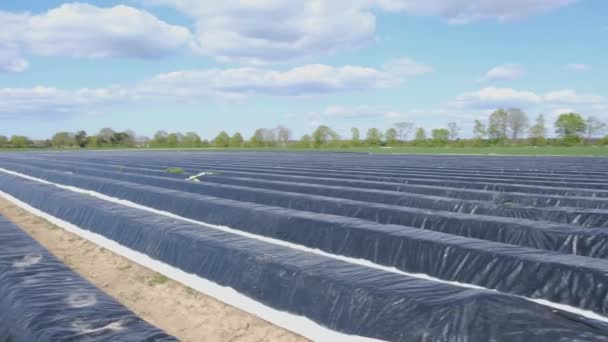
(284, 192)
(285, 182)
(343, 296)
(592, 242)
(42, 300)
(536, 273)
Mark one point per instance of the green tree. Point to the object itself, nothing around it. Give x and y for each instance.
(81, 138)
(497, 125)
(537, 133)
(236, 140)
(373, 137)
(20, 141)
(355, 136)
(222, 140)
(44, 143)
(479, 130)
(305, 141)
(283, 134)
(517, 123)
(570, 127)
(404, 129)
(142, 141)
(454, 130)
(93, 141)
(420, 135)
(104, 137)
(129, 138)
(324, 135)
(441, 136)
(160, 139)
(594, 127)
(173, 140)
(63, 139)
(191, 139)
(122, 139)
(3, 141)
(257, 139)
(391, 136)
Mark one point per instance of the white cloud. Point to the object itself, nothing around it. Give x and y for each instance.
(405, 68)
(82, 30)
(570, 97)
(197, 86)
(10, 55)
(464, 11)
(578, 67)
(491, 97)
(11, 61)
(312, 79)
(271, 31)
(43, 101)
(507, 72)
(251, 32)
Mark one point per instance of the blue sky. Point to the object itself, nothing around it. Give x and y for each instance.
(186, 65)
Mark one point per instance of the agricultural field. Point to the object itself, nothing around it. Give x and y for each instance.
(583, 150)
(331, 246)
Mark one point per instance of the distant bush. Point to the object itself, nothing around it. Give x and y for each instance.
(175, 170)
(537, 141)
(571, 140)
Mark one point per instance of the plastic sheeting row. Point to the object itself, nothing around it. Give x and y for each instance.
(551, 188)
(473, 164)
(343, 296)
(285, 192)
(562, 278)
(394, 174)
(592, 242)
(282, 182)
(42, 300)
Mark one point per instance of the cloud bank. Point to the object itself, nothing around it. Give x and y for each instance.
(82, 30)
(507, 72)
(201, 85)
(253, 32)
(492, 98)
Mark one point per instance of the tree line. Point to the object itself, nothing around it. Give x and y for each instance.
(503, 127)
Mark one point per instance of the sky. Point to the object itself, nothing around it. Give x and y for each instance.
(237, 65)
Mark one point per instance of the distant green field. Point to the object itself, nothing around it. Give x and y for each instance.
(494, 150)
(498, 150)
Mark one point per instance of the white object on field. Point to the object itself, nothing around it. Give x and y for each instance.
(195, 177)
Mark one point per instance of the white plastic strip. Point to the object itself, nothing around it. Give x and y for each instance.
(298, 324)
(362, 262)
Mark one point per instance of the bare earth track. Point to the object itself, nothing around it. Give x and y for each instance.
(182, 312)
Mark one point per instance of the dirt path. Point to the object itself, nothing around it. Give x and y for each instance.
(180, 311)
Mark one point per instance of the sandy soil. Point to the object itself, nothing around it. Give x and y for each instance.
(181, 311)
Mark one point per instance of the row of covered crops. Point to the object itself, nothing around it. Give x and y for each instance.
(400, 248)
